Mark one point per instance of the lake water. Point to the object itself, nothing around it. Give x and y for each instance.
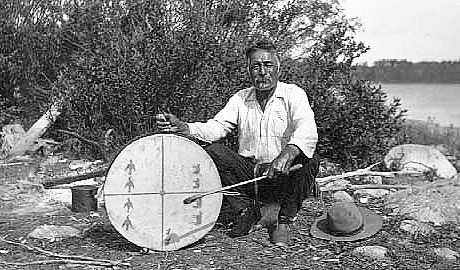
(438, 101)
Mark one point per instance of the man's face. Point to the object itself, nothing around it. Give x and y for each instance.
(263, 70)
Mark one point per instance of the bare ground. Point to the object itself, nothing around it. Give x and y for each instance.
(218, 251)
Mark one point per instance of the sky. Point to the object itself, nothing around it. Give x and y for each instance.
(415, 30)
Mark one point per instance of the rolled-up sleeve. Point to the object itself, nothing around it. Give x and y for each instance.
(220, 126)
(305, 134)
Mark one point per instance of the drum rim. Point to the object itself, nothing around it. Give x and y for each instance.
(151, 135)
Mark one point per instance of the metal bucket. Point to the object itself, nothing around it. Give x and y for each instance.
(84, 198)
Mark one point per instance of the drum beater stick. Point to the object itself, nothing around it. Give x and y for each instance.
(193, 198)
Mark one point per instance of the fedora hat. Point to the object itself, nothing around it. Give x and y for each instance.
(344, 221)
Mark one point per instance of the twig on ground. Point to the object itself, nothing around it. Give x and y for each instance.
(67, 257)
(331, 260)
(322, 181)
(356, 187)
(61, 261)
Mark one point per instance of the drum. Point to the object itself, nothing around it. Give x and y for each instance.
(145, 188)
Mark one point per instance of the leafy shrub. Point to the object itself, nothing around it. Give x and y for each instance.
(115, 64)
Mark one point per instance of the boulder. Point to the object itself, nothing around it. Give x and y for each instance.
(415, 157)
(374, 252)
(436, 202)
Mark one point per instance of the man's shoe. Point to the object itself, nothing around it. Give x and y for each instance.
(281, 236)
(244, 222)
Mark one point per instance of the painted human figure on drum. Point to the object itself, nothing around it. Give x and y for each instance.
(276, 130)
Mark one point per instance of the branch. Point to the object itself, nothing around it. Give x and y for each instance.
(356, 187)
(322, 181)
(102, 262)
(65, 261)
(88, 141)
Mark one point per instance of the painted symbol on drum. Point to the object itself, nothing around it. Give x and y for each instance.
(171, 238)
(196, 168)
(198, 218)
(196, 183)
(128, 205)
(127, 223)
(198, 203)
(130, 168)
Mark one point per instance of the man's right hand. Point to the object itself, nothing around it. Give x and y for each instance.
(167, 123)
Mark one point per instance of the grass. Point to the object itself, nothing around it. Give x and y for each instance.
(430, 133)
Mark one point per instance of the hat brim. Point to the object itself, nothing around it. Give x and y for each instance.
(372, 223)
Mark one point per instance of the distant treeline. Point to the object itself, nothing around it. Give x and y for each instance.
(402, 71)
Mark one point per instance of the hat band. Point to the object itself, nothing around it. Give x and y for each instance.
(335, 233)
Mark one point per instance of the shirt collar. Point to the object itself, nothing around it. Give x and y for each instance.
(279, 92)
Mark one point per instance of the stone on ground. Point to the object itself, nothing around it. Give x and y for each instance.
(342, 196)
(421, 158)
(54, 233)
(376, 193)
(415, 228)
(437, 202)
(447, 254)
(374, 252)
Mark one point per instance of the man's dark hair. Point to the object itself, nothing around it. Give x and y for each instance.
(263, 44)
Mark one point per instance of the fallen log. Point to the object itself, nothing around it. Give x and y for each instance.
(78, 175)
(37, 130)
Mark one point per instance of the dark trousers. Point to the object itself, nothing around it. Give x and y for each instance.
(289, 191)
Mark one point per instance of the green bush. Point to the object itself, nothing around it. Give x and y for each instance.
(117, 63)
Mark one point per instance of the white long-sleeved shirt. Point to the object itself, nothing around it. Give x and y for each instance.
(287, 119)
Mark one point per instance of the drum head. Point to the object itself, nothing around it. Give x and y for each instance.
(145, 188)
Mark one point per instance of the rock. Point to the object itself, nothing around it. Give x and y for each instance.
(437, 202)
(421, 158)
(415, 227)
(446, 253)
(375, 252)
(372, 179)
(342, 196)
(54, 233)
(376, 193)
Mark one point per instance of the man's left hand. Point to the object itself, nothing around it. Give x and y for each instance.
(283, 162)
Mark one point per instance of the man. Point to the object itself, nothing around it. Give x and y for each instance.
(276, 130)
